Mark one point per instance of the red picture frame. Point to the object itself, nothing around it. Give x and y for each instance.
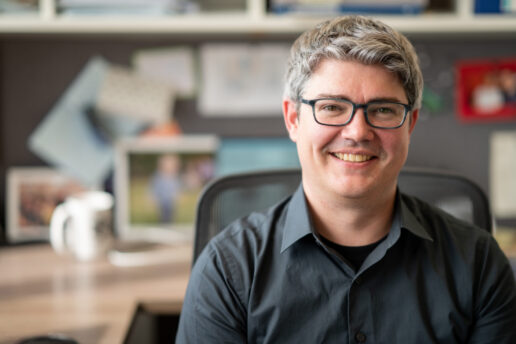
(486, 90)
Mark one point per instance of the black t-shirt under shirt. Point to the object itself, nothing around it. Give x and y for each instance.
(353, 254)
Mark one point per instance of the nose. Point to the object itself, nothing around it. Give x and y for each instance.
(358, 129)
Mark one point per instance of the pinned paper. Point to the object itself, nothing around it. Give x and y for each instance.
(503, 174)
(242, 79)
(171, 66)
(125, 93)
(66, 137)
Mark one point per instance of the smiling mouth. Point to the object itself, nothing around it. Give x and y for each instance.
(352, 157)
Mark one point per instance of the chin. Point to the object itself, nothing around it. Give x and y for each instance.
(355, 193)
(352, 187)
(360, 186)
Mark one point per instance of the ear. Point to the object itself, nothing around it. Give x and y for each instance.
(291, 118)
(413, 119)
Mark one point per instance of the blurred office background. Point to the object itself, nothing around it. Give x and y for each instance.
(44, 45)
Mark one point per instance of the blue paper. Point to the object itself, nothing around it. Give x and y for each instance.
(244, 155)
(66, 137)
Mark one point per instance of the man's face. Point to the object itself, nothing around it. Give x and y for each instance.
(331, 157)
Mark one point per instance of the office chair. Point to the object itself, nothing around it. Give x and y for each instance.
(230, 197)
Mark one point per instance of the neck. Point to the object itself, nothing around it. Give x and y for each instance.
(352, 222)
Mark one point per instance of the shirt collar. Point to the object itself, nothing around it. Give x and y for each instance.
(409, 220)
(298, 223)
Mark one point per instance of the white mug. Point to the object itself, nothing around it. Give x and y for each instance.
(82, 225)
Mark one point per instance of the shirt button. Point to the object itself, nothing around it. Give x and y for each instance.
(360, 337)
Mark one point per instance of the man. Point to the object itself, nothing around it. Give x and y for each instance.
(348, 259)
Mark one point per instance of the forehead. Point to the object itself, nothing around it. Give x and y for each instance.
(353, 80)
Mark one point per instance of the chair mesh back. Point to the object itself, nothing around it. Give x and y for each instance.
(452, 193)
(230, 197)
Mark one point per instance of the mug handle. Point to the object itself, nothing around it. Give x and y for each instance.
(57, 228)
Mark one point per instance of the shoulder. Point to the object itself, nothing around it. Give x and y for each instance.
(235, 251)
(464, 252)
(249, 233)
(440, 225)
(458, 244)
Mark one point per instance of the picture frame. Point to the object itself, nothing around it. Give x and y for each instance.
(157, 184)
(32, 195)
(486, 90)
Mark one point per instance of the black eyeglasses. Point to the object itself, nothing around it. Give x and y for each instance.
(339, 112)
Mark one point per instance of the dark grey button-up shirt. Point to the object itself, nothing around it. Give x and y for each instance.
(269, 279)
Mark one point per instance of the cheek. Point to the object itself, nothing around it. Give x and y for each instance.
(321, 136)
(397, 146)
(312, 143)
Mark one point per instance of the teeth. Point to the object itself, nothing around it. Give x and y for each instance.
(353, 157)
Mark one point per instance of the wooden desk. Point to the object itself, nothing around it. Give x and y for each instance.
(93, 302)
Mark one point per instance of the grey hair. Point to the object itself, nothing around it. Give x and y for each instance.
(354, 38)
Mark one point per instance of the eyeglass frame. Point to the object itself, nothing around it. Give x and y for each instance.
(357, 106)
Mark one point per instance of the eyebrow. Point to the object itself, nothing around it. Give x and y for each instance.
(377, 99)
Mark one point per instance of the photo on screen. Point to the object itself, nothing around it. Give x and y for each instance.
(157, 185)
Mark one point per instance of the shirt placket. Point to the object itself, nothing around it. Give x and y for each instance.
(358, 300)
(360, 312)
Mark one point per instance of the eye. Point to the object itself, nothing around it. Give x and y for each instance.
(331, 107)
(385, 110)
